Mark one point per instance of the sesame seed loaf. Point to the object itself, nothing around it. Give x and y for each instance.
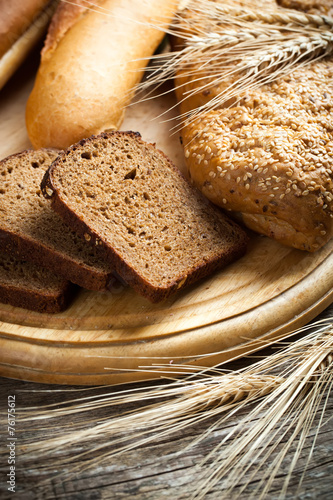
(272, 163)
(31, 230)
(27, 285)
(265, 154)
(127, 197)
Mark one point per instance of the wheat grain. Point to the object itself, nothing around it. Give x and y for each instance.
(190, 395)
(289, 415)
(225, 42)
(286, 405)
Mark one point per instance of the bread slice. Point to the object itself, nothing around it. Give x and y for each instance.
(31, 230)
(127, 197)
(23, 284)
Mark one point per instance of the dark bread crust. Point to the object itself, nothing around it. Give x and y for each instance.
(27, 285)
(42, 302)
(25, 247)
(125, 269)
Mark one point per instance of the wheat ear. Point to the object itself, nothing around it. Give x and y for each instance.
(186, 396)
(286, 405)
(289, 415)
(247, 47)
(190, 402)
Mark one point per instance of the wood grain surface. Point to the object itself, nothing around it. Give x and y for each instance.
(162, 469)
(104, 337)
(266, 294)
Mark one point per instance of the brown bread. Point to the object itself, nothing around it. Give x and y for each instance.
(31, 230)
(128, 198)
(27, 285)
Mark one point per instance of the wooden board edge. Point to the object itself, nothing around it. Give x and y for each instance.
(227, 340)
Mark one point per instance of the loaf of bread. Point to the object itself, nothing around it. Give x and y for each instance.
(30, 230)
(91, 62)
(267, 154)
(27, 285)
(22, 24)
(126, 197)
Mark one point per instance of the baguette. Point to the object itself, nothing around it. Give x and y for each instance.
(22, 24)
(90, 64)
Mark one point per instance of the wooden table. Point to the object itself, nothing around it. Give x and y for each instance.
(152, 472)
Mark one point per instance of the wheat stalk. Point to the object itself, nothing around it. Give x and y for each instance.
(224, 41)
(292, 411)
(287, 386)
(247, 47)
(188, 398)
(189, 402)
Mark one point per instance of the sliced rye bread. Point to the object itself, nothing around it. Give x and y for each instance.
(31, 230)
(127, 197)
(28, 285)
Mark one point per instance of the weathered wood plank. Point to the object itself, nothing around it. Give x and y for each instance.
(162, 469)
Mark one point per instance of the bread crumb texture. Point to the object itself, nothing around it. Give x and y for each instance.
(270, 156)
(30, 227)
(27, 275)
(157, 230)
(27, 285)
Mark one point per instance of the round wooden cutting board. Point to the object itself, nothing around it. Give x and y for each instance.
(118, 336)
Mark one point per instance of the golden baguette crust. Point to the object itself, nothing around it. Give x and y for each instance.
(66, 15)
(20, 31)
(87, 76)
(15, 18)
